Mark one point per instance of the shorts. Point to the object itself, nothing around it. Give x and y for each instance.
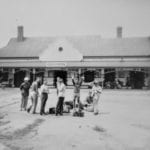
(76, 95)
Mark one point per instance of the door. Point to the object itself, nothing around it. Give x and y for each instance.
(89, 76)
(137, 79)
(62, 74)
(19, 78)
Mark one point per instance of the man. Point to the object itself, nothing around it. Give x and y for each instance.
(61, 96)
(96, 91)
(24, 87)
(57, 82)
(34, 95)
(44, 97)
(77, 82)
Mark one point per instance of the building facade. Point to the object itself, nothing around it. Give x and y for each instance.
(120, 60)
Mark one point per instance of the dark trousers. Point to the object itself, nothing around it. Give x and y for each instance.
(44, 97)
(59, 106)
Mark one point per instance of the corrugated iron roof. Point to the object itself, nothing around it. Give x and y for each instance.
(87, 45)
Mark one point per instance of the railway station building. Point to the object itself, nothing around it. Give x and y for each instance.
(122, 59)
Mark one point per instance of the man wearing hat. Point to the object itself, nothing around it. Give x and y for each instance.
(96, 91)
(24, 87)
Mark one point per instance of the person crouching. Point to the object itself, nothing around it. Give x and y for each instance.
(44, 97)
(61, 96)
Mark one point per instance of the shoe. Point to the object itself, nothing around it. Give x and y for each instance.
(96, 113)
(28, 110)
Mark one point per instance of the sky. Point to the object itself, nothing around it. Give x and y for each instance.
(74, 17)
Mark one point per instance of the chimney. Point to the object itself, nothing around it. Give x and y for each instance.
(119, 32)
(20, 34)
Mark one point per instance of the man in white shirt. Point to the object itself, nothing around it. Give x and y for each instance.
(34, 95)
(61, 96)
(96, 91)
(44, 97)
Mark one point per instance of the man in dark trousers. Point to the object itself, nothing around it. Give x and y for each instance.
(44, 97)
(61, 96)
(24, 87)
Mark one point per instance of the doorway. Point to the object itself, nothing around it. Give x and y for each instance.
(3, 76)
(62, 74)
(19, 78)
(137, 79)
(89, 76)
(109, 78)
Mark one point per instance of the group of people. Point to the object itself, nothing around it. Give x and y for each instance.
(41, 90)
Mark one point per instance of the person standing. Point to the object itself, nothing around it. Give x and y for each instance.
(34, 95)
(77, 82)
(96, 91)
(24, 87)
(57, 82)
(61, 96)
(44, 97)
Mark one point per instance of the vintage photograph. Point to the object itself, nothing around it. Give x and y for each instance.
(74, 74)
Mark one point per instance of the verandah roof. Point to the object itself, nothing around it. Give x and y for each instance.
(100, 64)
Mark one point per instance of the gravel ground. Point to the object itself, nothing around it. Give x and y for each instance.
(123, 123)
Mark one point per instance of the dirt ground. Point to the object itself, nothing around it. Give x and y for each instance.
(123, 124)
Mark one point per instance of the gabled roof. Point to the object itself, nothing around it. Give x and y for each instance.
(61, 50)
(87, 45)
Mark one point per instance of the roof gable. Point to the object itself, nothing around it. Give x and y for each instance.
(60, 50)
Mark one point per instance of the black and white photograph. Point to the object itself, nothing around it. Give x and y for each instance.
(74, 74)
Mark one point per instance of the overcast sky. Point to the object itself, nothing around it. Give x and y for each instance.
(74, 17)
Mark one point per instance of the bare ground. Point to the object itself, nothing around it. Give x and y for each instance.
(123, 123)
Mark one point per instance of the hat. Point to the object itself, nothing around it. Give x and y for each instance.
(26, 79)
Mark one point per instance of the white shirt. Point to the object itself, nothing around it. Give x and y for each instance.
(61, 90)
(96, 91)
(44, 89)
